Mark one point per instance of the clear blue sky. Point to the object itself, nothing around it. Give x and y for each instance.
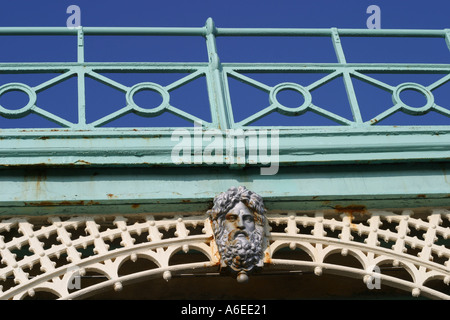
(101, 100)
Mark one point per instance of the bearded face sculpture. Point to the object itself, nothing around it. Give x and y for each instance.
(238, 220)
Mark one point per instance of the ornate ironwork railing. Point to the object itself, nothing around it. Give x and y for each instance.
(363, 133)
(216, 74)
(51, 256)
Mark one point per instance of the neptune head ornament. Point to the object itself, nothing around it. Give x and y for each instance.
(238, 220)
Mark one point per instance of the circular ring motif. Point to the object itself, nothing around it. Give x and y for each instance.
(288, 110)
(148, 86)
(415, 87)
(17, 113)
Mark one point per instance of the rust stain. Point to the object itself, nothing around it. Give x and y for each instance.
(41, 177)
(214, 250)
(62, 203)
(421, 196)
(35, 180)
(214, 264)
(351, 209)
(32, 165)
(44, 138)
(78, 203)
(445, 175)
(267, 258)
(352, 225)
(135, 205)
(40, 204)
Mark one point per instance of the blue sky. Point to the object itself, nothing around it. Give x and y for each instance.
(231, 13)
(246, 100)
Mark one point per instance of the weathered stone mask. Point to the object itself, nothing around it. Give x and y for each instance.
(238, 221)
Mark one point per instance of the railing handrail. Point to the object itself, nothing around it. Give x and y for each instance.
(201, 31)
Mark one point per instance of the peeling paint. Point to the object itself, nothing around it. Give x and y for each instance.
(82, 162)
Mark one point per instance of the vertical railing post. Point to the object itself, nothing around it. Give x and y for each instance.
(346, 76)
(447, 37)
(216, 85)
(81, 79)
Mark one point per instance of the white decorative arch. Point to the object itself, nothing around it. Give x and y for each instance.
(40, 254)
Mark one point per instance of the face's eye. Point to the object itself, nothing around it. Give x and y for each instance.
(231, 217)
(249, 218)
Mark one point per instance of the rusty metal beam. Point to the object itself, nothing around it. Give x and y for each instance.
(68, 191)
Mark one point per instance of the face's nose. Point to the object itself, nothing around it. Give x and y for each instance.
(240, 222)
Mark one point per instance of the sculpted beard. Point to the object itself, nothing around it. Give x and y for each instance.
(241, 252)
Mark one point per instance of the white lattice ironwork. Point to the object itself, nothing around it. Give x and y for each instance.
(40, 254)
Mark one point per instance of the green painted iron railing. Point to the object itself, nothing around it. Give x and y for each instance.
(217, 75)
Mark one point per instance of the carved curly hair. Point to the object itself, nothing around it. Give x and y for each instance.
(225, 201)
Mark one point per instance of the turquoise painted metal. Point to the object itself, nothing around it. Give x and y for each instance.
(88, 167)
